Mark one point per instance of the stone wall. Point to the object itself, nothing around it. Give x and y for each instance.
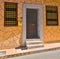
(8, 34)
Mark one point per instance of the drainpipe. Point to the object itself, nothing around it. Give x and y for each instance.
(24, 46)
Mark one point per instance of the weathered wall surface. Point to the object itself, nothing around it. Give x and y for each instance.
(10, 37)
(52, 33)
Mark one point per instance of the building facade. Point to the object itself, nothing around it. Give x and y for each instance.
(22, 20)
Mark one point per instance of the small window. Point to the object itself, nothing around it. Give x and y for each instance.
(51, 15)
(10, 14)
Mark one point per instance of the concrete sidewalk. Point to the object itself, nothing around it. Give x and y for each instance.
(18, 52)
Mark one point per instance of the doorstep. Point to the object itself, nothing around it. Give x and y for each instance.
(18, 52)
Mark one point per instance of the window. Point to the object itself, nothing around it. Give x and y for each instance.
(10, 14)
(51, 15)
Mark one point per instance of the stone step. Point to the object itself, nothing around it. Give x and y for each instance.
(34, 44)
(34, 47)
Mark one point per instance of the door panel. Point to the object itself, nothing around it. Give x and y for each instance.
(31, 23)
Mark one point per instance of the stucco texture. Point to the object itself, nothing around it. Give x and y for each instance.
(11, 37)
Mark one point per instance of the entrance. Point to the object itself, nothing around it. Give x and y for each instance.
(32, 22)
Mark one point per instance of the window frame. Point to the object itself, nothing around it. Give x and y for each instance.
(51, 19)
(5, 13)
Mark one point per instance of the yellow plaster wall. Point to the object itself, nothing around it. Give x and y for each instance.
(11, 36)
(52, 33)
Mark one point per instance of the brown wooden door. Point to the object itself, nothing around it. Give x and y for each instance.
(31, 23)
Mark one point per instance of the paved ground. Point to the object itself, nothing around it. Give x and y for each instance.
(45, 55)
(41, 55)
(46, 46)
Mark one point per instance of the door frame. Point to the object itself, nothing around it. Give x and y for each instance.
(40, 22)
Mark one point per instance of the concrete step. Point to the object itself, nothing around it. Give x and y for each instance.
(31, 45)
(34, 44)
(34, 47)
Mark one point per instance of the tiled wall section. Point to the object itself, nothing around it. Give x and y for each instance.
(8, 35)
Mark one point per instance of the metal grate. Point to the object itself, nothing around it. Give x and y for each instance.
(10, 14)
(51, 15)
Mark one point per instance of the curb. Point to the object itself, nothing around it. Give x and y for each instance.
(30, 52)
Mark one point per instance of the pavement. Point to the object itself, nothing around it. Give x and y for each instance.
(8, 53)
(45, 55)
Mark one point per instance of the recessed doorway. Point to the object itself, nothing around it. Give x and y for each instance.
(32, 22)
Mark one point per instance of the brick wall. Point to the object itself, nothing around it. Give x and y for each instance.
(8, 34)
